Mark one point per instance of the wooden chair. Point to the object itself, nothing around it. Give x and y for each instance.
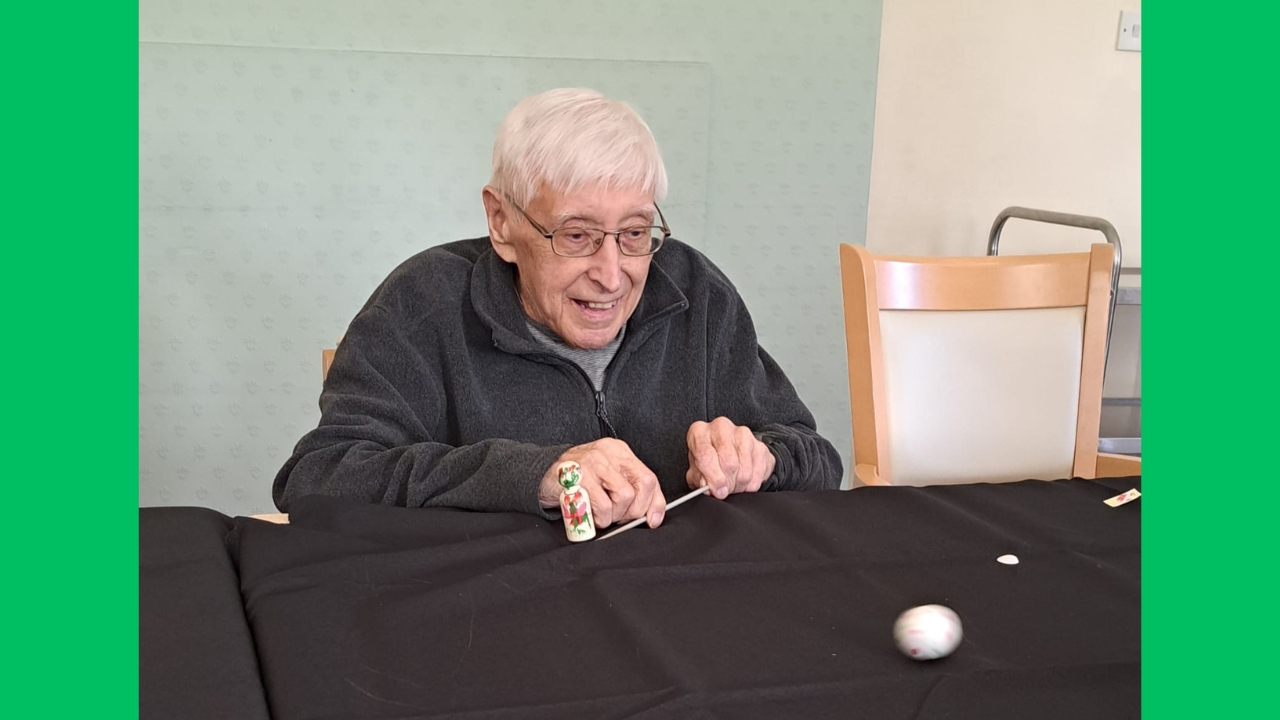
(326, 359)
(985, 369)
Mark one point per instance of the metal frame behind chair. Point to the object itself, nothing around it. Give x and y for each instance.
(1086, 222)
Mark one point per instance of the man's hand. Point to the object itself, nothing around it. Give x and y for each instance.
(620, 486)
(727, 457)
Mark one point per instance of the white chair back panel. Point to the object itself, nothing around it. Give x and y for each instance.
(981, 396)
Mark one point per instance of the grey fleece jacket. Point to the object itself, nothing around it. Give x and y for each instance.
(439, 396)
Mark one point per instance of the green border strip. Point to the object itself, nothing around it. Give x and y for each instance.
(70, 234)
(1210, 231)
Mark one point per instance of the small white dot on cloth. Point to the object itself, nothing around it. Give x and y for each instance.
(1008, 559)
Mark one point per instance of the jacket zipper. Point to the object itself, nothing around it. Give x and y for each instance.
(601, 413)
(606, 427)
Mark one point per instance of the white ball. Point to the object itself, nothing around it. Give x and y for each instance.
(927, 632)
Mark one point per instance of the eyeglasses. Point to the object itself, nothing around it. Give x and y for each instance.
(580, 241)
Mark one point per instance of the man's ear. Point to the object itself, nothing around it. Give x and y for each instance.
(499, 221)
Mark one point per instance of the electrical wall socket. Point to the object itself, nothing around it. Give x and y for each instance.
(1130, 37)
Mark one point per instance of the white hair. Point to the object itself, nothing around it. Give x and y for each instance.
(571, 138)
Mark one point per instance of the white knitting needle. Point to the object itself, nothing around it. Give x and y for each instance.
(638, 521)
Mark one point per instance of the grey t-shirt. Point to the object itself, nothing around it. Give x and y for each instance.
(592, 362)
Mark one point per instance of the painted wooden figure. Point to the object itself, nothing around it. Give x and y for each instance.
(575, 506)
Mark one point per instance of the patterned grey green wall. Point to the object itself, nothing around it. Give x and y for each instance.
(292, 154)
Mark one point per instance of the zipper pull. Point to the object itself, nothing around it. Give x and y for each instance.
(603, 414)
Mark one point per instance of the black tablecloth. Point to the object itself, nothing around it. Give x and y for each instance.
(763, 606)
(195, 651)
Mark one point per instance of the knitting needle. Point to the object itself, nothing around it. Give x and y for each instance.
(673, 503)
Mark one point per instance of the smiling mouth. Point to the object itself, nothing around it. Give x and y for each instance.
(597, 305)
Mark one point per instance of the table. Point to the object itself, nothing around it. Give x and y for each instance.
(775, 605)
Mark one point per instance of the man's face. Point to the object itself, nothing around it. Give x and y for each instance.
(584, 300)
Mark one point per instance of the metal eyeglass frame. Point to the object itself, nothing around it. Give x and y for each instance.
(666, 233)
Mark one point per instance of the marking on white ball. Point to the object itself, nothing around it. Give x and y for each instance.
(1008, 559)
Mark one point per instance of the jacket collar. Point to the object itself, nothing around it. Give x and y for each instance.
(493, 296)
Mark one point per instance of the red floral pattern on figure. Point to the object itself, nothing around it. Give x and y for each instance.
(575, 505)
(576, 512)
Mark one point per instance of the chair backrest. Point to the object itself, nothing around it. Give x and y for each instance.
(984, 369)
(326, 359)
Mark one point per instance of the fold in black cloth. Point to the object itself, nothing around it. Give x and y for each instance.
(196, 658)
(774, 605)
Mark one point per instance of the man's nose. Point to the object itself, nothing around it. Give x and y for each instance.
(606, 265)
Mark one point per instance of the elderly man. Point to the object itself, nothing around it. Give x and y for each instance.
(577, 330)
